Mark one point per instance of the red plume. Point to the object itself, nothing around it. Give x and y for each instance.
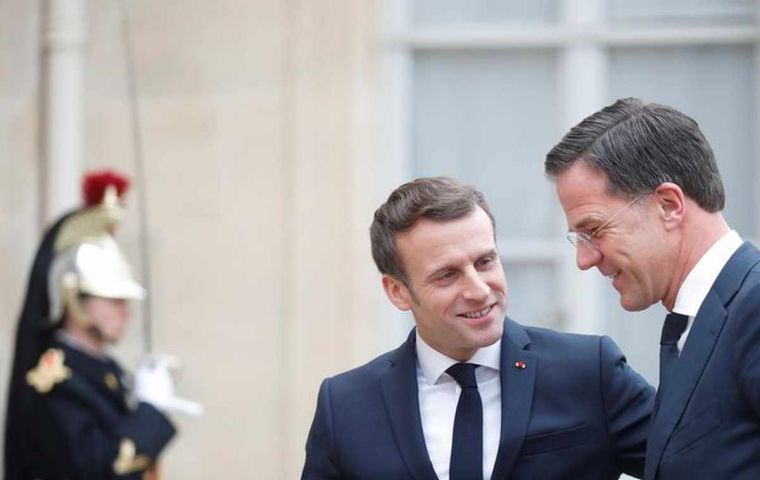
(95, 183)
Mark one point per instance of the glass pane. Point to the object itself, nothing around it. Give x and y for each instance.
(684, 11)
(455, 12)
(532, 294)
(715, 86)
(487, 118)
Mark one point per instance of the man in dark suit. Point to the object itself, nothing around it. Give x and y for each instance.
(643, 197)
(471, 394)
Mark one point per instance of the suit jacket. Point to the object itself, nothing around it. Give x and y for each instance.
(83, 424)
(708, 421)
(576, 411)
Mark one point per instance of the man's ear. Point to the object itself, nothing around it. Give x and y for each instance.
(671, 202)
(397, 292)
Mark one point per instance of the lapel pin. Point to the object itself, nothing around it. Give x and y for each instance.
(520, 365)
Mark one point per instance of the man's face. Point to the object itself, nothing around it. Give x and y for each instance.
(632, 250)
(457, 290)
(108, 315)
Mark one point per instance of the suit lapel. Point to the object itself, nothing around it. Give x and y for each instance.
(399, 387)
(518, 375)
(697, 351)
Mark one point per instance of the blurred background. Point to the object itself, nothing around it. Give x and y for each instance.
(262, 134)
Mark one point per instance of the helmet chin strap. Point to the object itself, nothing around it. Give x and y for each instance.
(74, 307)
(97, 333)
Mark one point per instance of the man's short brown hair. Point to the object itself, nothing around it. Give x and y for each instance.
(436, 198)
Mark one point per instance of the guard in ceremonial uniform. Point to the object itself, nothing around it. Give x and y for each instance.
(73, 412)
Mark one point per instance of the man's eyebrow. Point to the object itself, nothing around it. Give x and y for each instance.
(584, 223)
(489, 253)
(437, 271)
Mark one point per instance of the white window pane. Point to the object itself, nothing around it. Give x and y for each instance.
(487, 118)
(685, 11)
(715, 86)
(532, 295)
(454, 12)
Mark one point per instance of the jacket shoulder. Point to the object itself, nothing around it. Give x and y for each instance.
(562, 342)
(365, 374)
(572, 351)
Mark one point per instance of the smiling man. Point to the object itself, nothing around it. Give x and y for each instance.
(643, 197)
(472, 394)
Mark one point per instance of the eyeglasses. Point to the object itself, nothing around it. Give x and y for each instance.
(587, 239)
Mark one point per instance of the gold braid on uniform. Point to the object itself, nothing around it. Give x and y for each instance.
(128, 461)
(49, 371)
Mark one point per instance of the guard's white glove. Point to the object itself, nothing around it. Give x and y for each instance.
(155, 385)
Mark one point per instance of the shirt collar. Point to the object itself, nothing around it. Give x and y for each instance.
(700, 279)
(433, 363)
(65, 337)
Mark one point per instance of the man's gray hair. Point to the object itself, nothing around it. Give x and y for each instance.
(640, 145)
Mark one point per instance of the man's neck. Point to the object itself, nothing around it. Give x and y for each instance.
(700, 232)
(85, 339)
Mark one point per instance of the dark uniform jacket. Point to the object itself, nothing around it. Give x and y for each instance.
(83, 424)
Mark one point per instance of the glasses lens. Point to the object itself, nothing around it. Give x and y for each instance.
(573, 238)
(580, 240)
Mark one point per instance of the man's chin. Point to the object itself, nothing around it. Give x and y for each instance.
(632, 305)
(492, 340)
(497, 318)
(493, 334)
(111, 338)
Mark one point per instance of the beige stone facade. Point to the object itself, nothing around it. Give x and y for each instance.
(258, 122)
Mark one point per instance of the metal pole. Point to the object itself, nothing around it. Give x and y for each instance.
(141, 180)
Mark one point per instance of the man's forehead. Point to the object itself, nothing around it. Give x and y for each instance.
(580, 179)
(473, 220)
(435, 239)
(582, 186)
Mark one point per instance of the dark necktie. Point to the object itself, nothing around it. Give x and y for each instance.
(674, 326)
(467, 441)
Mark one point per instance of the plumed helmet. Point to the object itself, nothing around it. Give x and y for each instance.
(86, 258)
(95, 267)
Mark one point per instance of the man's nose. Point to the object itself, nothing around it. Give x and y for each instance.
(476, 289)
(586, 256)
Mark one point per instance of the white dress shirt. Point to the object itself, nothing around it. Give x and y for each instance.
(700, 279)
(439, 394)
